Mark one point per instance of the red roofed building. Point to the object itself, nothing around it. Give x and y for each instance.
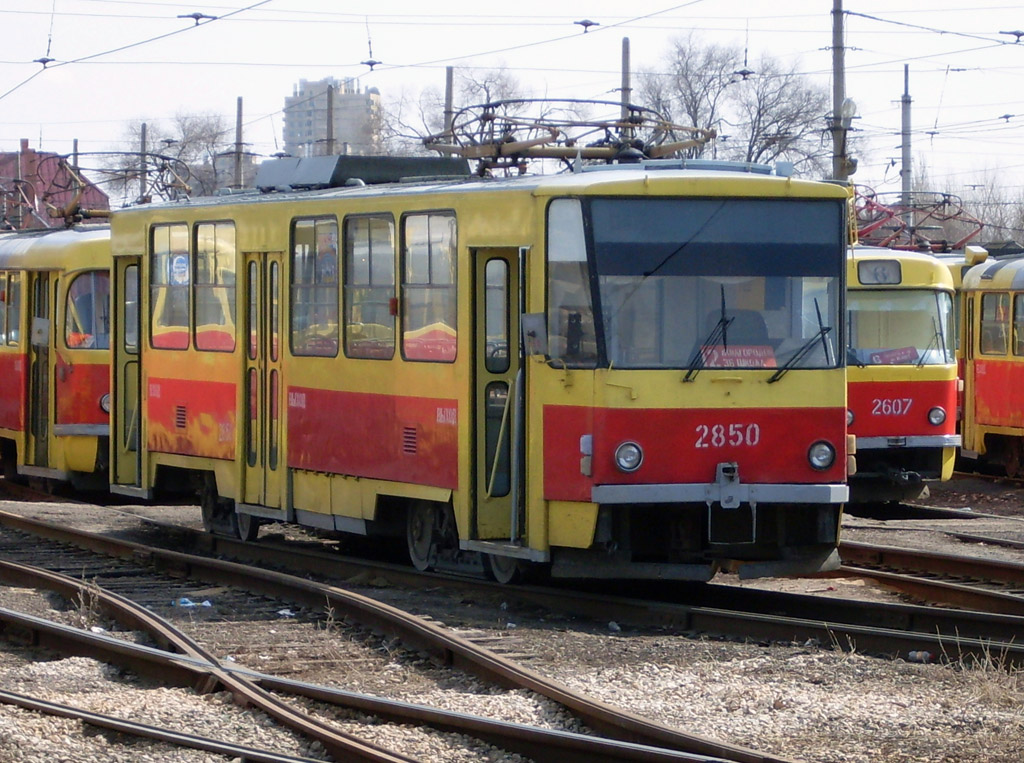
(38, 190)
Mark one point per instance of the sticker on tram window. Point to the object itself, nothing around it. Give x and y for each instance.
(899, 356)
(731, 435)
(899, 406)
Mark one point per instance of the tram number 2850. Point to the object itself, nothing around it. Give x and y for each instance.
(899, 406)
(733, 435)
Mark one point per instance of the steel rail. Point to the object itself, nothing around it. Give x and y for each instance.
(132, 615)
(934, 562)
(137, 729)
(183, 670)
(450, 649)
(941, 591)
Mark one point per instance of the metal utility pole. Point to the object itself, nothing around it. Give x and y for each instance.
(142, 164)
(626, 90)
(238, 144)
(840, 108)
(449, 100)
(330, 120)
(906, 166)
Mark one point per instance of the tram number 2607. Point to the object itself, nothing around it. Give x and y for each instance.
(733, 435)
(899, 406)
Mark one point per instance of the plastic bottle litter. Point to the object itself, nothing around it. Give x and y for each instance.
(285, 613)
(921, 656)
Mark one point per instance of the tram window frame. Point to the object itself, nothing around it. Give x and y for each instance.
(13, 328)
(203, 286)
(993, 332)
(86, 339)
(174, 292)
(441, 261)
(1017, 336)
(366, 284)
(3, 308)
(319, 285)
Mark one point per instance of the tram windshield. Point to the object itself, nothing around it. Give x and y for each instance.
(695, 283)
(899, 327)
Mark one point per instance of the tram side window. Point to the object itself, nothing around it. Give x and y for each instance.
(215, 286)
(429, 287)
(314, 308)
(1018, 324)
(3, 308)
(369, 287)
(995, 320)
(571, 336)
(87, 312)
(170, 282)
(13, 305)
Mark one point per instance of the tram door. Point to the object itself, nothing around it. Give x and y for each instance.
(40, 332)
(496, 365)
(126, 419)
(264, 462)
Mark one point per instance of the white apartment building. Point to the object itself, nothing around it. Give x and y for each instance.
(356, 122)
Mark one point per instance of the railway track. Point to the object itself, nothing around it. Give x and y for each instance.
(147, 731)
(893, 630)
(656, 741)
(973, 582)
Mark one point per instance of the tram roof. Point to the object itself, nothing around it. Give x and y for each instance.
(642, 179)
(1006, 273)
(56, 248)
(917, 269)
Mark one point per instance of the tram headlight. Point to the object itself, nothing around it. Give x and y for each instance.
(629, 456)
(849, 417)
(105, 403)
(821, 455)
(937, 415)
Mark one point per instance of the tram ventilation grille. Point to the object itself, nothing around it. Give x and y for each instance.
(180, 416)
(409, 440)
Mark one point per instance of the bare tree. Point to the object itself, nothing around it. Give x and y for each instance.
(192, 154)
(410, 118)
(762, 115)
(781, 118)
(695, 86)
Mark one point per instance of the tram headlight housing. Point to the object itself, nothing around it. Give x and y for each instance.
(849, 417)
(821, 455)
(937, 415)
(105, 403)
(629, 456)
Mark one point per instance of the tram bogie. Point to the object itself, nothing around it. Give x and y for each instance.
(628, 373)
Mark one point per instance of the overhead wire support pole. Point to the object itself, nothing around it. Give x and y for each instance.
(626, 90)
(839, 164)
(906, 167)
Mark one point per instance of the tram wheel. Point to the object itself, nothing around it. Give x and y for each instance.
(503, 569)
(421, 534)
(248, 526)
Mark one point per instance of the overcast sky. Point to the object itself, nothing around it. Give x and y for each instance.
(118, 60)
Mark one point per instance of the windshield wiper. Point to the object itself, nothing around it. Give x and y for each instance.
(799, 354)
(718, 331)
(806, 347)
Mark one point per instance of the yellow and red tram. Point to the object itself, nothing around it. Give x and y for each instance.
(902, 372)
(633, 371)
(55, 354)
(993, 354)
